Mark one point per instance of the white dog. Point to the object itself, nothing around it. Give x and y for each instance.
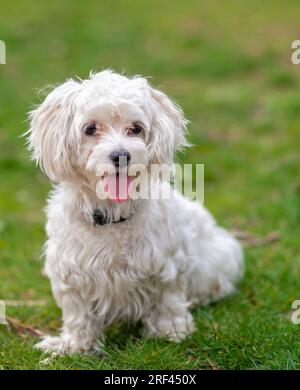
(134, 259)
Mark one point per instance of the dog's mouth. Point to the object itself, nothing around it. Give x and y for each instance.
(117, 186)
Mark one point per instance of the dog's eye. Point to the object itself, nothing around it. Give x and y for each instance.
(135, 129)
(91, 129)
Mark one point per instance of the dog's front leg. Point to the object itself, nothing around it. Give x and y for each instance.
(80, 327)
(171, 317)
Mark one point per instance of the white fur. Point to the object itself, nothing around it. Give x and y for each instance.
(166, 257)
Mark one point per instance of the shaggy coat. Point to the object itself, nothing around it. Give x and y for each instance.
(166, 256)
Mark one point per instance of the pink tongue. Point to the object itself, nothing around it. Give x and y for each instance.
(117, 187)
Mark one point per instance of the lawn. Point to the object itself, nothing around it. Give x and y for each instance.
(228, 65)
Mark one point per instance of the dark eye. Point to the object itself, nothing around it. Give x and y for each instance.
(136, 129)
(91, 129)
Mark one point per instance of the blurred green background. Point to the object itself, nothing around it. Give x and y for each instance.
(228, 64)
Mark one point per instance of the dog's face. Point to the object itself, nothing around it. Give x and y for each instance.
(90, 130)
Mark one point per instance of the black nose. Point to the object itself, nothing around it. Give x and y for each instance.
(120, 158)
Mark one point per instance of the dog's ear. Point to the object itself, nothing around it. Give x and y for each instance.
(51, 137)
(167, 133)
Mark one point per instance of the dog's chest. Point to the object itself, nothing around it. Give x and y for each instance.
(121, 270)
(119, 251)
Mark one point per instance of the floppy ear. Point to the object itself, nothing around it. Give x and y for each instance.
(51, 138)
(167, 134)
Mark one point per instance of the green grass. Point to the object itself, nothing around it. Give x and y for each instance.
(229, 67)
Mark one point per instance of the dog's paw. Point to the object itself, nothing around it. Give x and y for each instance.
(181, 328)
(175, 329)
(55, 345)
(60, 345)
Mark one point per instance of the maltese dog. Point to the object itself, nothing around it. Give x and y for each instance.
(122, 257)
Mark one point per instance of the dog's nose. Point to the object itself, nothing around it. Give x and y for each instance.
(120, 158)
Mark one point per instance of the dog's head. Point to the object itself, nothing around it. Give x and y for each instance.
(98, 127)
